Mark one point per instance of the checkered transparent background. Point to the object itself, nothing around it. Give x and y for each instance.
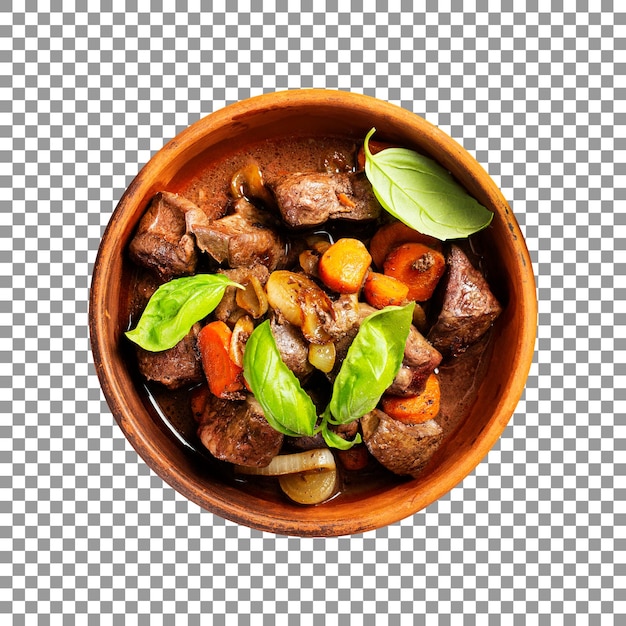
(535, 90)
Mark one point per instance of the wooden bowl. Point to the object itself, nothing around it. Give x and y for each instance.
(318, 112)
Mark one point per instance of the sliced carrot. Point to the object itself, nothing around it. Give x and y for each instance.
(344, 265)
(418, 266)
(198, 401)
(394, 234)
(381, 291)
(415, 409)
(224, 376)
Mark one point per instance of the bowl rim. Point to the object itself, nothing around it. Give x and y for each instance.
(315, 524)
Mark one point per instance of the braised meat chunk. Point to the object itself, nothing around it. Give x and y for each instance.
(420, 361)
(469, 308)
(237, 432)
(404, 449)
(173, 368)
(311, 198)
(293, 348)
(242, 239)
(162, 242)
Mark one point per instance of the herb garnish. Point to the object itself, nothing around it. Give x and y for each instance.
(373, 360)
(175, 307)
(287, 407)
(422, 194)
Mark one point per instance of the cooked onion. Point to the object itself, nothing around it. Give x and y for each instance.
(309, 488)
(308, 262)
(252, 298)
(301, 302)
(283, 288)
(322, 356)
(317, 460)
(241, 332)
(321, 245)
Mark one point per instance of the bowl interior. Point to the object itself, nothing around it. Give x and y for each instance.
(316, 113)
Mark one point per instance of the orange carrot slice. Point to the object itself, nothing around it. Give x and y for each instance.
(381, 291)
(344, 265)
(415, 409)
(418, 266)
(394, 234)
(224, 376)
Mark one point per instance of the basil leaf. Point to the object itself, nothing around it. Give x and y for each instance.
(287, 407)
(175, 307)
(333, 440)
(422, 194)
(373, 360)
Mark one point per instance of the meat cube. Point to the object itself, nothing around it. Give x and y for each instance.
(173, 368)
(162, 242)
(468, 310)
(312, 198)
(403, 449)
(420, 361)
(293, 347)
(237, 432)
(245, 238)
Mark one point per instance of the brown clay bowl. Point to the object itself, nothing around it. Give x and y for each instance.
(319, 112)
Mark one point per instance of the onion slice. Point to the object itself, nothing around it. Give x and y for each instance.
(252, 298)
(309, 488)
(317, 460)
(322, 356)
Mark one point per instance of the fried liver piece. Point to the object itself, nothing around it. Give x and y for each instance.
(403, 449)
(237, 432)
(468, 310)
(162, 242)
(308, 199)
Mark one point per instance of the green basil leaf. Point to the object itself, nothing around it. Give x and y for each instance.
(422, 194)
(287, 407)
(373, 360)
(175, 307)
(333, 440)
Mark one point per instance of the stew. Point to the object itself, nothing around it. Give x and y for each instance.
(288, 320)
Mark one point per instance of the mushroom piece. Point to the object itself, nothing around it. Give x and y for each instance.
(247, 182)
